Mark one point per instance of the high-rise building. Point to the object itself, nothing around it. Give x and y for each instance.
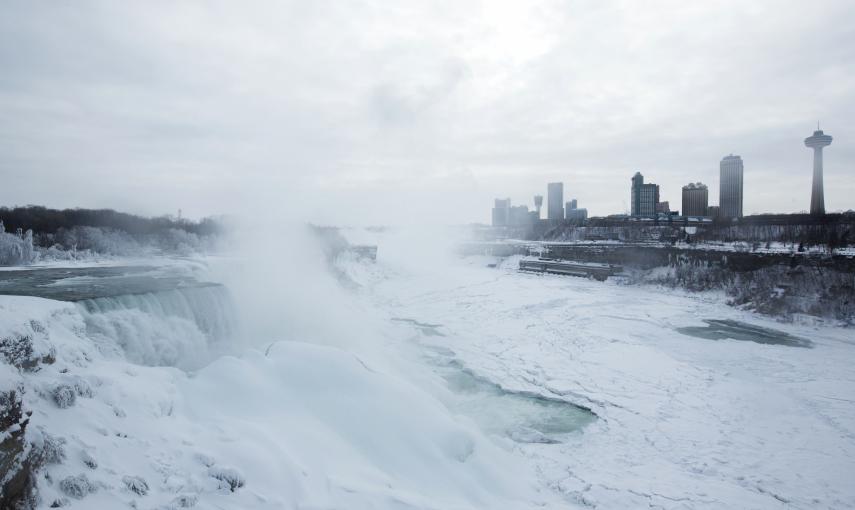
(573, 203)
(538, 204)
(817, 195)
(695, 199)
(519, 216)
(555, 204)
(501, 212)
(643, 197)
(730, 187)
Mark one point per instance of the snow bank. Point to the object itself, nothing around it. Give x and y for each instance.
(314, 425)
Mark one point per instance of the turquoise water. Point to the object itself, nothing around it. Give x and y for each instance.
(77, 284)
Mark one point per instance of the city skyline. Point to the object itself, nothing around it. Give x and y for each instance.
(646, 199)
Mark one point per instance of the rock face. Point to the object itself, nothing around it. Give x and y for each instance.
(22, 452)
(26, 348)
(16, 460)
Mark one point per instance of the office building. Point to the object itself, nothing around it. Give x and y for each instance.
(695, 199)
(538, 204)
(501, 212)
(730, 187)
(643, 197)
(571, 212)
(555, 201)
(519, 216)
(817, 194)
(576, 214)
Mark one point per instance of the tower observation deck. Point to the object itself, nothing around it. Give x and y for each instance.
(817, 196)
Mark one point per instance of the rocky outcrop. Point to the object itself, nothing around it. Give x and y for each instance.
(16, 460)
(23, 449)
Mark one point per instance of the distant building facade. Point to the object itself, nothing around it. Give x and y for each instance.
(695, 199)
(501, 212)
(577, 214)
(644, 197)
(663, 208)
(519, 216)
(505, 215)
(555, 201)
(730, 190)
(571, 212)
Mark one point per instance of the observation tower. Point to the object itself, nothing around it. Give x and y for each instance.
(817, 197)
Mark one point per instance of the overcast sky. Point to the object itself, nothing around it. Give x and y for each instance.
(384, 112)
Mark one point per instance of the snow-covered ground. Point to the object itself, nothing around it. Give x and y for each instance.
(685, 422)
(416, 385)
(308, 418)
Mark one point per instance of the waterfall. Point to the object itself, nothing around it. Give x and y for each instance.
(184, 327)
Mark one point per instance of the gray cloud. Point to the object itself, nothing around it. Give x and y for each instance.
(355, 112)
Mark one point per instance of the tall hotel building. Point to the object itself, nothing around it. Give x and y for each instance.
(555, 201)
(643, 197)
(730, 191)
(501, 212)
(695, 199)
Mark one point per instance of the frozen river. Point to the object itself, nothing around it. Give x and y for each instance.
(700, 405)
(426, 383)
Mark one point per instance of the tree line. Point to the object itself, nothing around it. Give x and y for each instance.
(43, 220)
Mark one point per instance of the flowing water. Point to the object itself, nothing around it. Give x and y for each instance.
(79, 283)
(524, 417)
(151, 315)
